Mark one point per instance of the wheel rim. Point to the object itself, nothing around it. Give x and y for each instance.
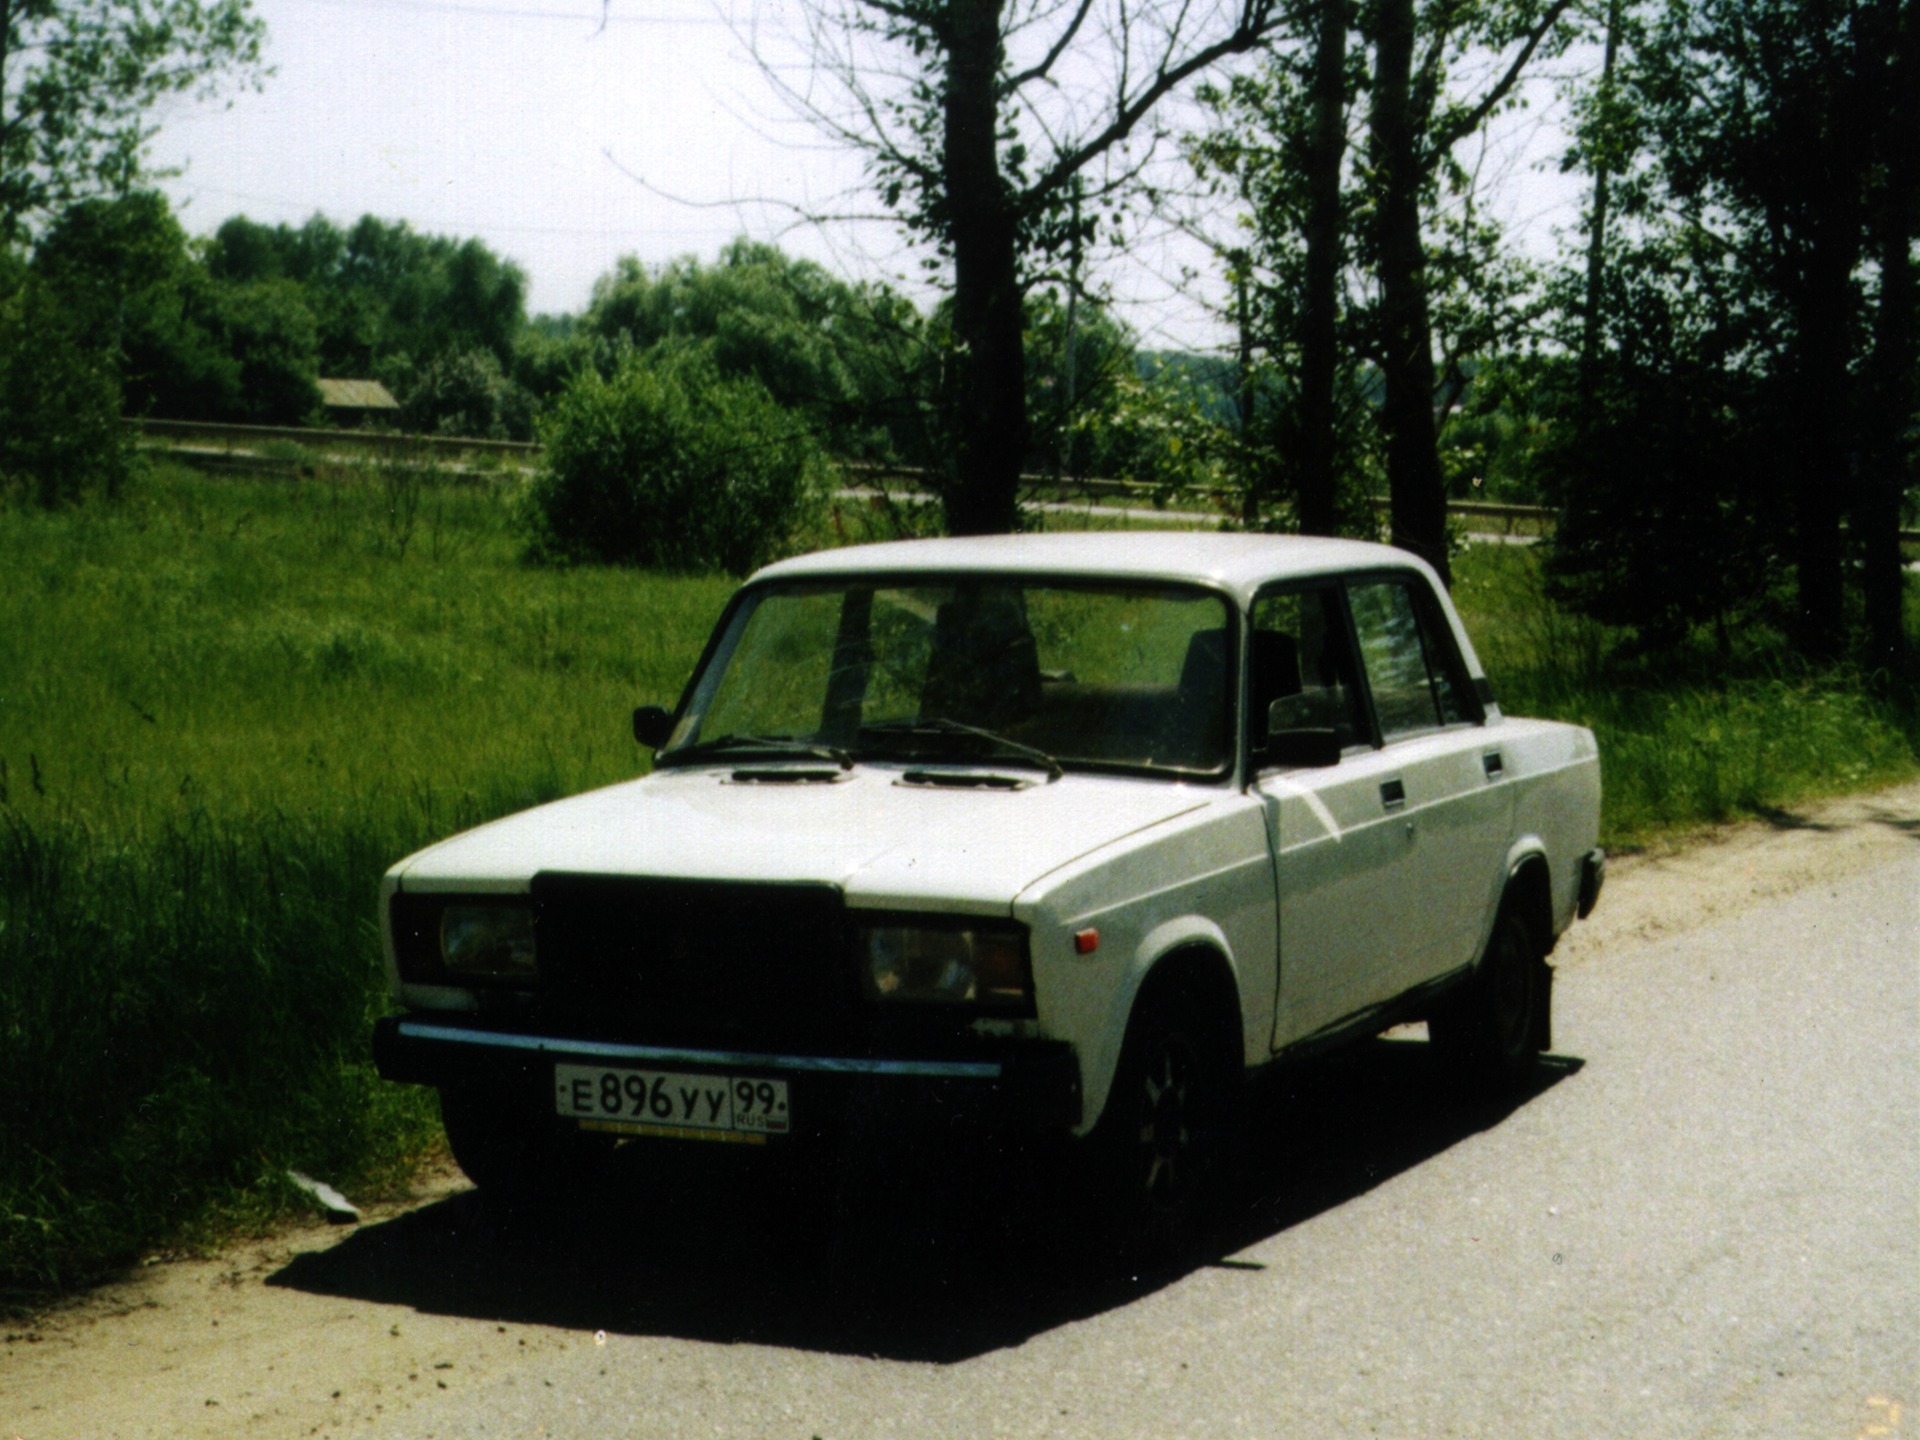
(1168, 1156)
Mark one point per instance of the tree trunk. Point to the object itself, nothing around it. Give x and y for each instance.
(1893, 391)
(1823, 462)
(988, 310)
(1415, 486)
(1602, 197)
(1319, 338)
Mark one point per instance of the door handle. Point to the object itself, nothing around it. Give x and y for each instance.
(1393, 794)
(1494, 763)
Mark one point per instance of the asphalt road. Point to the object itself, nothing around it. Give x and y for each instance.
(1704, 1221)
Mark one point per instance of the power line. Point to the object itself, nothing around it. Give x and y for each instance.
(194, 190)
(488, 12)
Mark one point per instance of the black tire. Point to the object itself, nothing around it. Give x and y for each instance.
(514, 1155)
(1162, 1148)
(1489, 1029)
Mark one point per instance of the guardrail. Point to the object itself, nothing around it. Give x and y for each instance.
(244, 443)
(242, 439)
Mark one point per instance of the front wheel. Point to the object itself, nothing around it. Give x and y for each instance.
(1488, 1029)
(515, 1155)
(1162, 1147)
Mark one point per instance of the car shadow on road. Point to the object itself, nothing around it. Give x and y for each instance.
(926, 1266)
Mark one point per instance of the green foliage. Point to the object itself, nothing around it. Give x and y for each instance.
(1079, 357)
(60, 435)
(672, 464)
(1689, 736)
(1658, 454)
(387, 301)
(1163, 429)
(549, 352)
(268, 331)
(1747, 384)
(79, 80)
(844, 357)
(464, 392)
(189, 346)
(225, 707)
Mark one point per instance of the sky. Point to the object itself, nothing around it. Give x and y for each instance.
(565, 137)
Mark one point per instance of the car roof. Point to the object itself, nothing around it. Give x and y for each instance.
(1238, 563)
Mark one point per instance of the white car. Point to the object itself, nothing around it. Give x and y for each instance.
(1066, 833)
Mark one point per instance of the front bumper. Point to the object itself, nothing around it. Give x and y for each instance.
(1031, 1085)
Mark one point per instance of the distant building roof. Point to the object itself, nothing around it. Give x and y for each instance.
(356, 395)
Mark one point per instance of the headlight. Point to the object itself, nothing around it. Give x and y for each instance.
(487, 942)
(983, 966)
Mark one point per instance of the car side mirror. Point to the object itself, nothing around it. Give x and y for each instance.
(1311, 747)
(652, 726)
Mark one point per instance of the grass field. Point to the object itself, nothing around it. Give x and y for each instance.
(224, 710)
(227, 705)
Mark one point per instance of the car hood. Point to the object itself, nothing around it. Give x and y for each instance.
(886, 843)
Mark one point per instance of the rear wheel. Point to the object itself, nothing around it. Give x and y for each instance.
(1162, 1145)
(1488, 1029)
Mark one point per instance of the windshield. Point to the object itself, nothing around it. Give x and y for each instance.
(987, 667)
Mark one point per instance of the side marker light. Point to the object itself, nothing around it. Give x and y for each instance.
(1085, 942)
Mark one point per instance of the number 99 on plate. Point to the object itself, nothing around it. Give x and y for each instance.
(656, 1101)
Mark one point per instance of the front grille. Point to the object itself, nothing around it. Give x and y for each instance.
(694, 958)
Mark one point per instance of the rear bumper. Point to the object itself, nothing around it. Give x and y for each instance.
(1025, 1085)
(1593, 875)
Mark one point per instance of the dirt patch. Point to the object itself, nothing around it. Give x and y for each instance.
(204, 1347)
(1683, 884)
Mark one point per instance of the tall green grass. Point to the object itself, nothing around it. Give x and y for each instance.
(225, 708)
(1686, 741)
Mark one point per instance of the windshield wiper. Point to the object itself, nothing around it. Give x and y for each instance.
(982, 742)
(767, 746)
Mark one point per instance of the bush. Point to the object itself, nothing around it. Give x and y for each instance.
(668, 465)
(465, 393)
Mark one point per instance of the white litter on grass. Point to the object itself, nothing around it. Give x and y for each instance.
(340, 1210)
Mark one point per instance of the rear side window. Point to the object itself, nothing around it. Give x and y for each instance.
(1411, 668)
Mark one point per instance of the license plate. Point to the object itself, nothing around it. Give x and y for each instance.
(671, 1102)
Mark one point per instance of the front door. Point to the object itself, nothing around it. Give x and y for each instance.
(1338, 832)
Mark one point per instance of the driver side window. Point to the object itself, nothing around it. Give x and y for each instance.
(1301, 670)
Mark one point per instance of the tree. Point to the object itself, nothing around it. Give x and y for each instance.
(1279, 150)
(857, 361)
(185, 344)
(1414, 124)
(1764, 147)
(387, 300)
(1660, 451)
(999, 133)
(60, 434)
(78, 79)
(1379, 253)
(1078, 356)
